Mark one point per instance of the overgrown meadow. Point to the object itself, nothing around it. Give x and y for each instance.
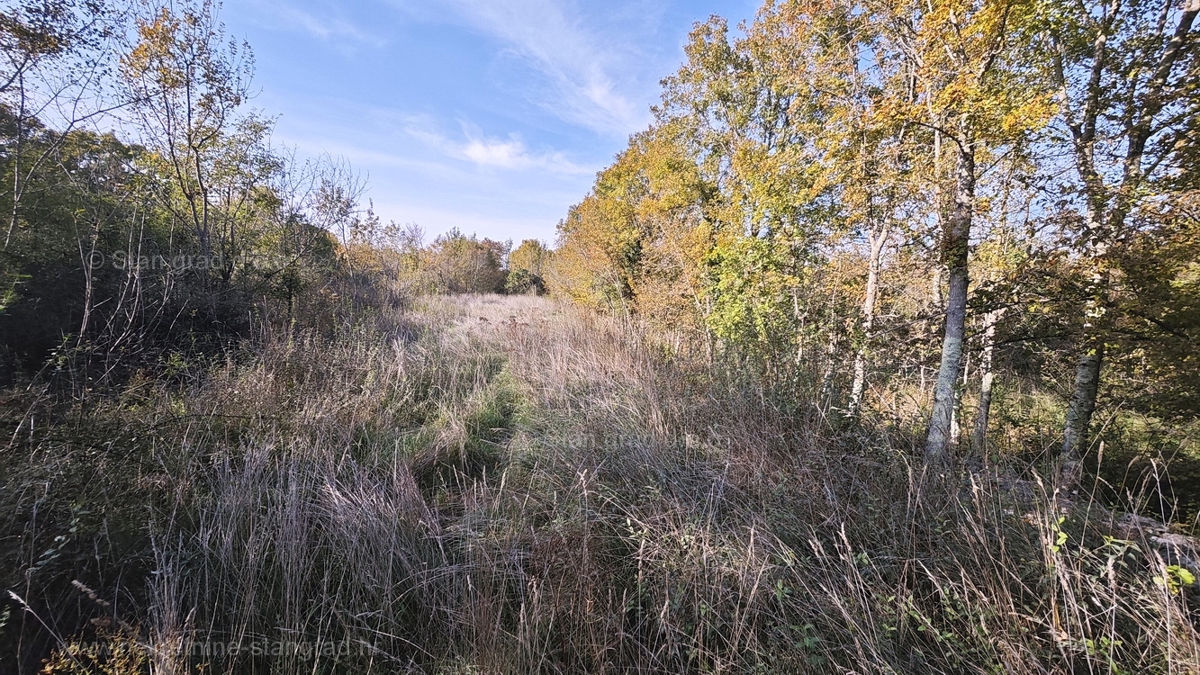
(874, 353)
(508, 484)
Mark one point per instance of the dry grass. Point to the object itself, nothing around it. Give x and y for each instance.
(508, 485)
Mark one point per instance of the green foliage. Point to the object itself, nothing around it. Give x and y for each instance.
(813, 180)
(116, 253)
(531, 256)
(458, 263)
(752, 286)
(527, 267)
(522, 281)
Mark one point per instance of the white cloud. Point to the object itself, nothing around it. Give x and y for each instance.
(583, 69)
(482, 150)
(512, 154)
(507, 154)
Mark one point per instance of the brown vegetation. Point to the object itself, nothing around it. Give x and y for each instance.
(249, 428)
(545, 490)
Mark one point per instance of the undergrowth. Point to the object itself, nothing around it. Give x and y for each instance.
(507, 485)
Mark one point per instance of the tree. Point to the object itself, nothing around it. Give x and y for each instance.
(833, 58)
(1126, 73)
(465, 264)
(751, 124)
(186, 85)
(956, 70)
(526, 268)
(600, 244)
(78, 209)
(53, 60)
(531, 255)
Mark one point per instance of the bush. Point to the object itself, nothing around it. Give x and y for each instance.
(460, 264)
(524, 282)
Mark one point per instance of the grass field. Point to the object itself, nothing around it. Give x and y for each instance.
(489, 484)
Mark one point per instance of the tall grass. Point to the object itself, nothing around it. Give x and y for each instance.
(508, 485)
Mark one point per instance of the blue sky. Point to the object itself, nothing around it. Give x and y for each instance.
(492, 116)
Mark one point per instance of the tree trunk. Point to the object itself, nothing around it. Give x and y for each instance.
(956, 413)
(1087, 380)
(1079, 414)
(831, 349)
(16, 155)
(877, 240)
(986, 379)
(935, 288)
(955, 247)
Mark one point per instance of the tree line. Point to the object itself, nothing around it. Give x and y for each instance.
(187, 230)
(921, 201)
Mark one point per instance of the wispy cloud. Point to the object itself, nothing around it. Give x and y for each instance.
(511, 153)
(580, 66)
(328, 26)
(487, 151)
